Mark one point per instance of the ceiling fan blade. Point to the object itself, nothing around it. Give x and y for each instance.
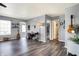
(1, 4)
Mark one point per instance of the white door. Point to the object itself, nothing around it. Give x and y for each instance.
(53, 30)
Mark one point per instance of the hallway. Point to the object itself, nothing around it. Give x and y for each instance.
(31, 48)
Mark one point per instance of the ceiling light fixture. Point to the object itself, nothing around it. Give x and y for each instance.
(1, 4)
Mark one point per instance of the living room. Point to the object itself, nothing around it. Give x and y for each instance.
(36, 29)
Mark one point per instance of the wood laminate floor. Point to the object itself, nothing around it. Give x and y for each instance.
(25, 47)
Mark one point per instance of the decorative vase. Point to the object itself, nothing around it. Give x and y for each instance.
(18, 35)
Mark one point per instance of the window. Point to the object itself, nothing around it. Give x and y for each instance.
(5, 27)
(23, 27)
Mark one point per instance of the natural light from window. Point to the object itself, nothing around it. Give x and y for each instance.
(23, 28)
(5, 27)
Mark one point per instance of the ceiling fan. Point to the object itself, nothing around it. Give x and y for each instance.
(1, 4)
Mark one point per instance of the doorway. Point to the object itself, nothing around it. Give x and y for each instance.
(52, 30)
(55, 29)
(48, 24)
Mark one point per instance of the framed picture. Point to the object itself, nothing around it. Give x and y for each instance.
(34, 26)
(64, 24)
(28, 27)
(15, 25)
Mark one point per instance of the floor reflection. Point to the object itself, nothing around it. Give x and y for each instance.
(13, 48)
(24, 47)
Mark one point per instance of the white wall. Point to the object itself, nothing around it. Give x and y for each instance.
(61, 29)
(41, 30)
(68, 12)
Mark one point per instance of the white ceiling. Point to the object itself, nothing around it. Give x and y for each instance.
(30, 10)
